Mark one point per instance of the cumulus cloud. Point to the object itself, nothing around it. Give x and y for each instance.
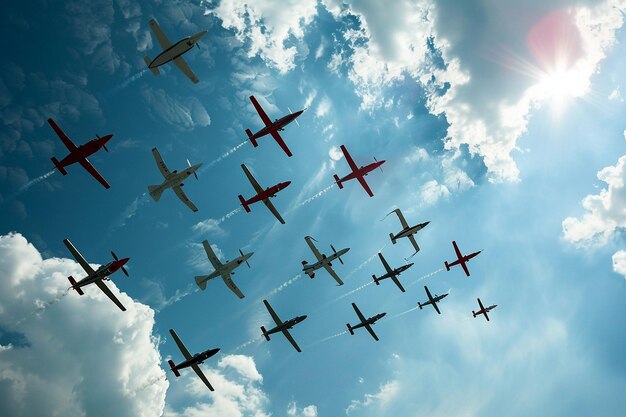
(432, 192)
(183, 112)
(198, 257)
(335, 153)
(83, 355)
(211, 226)
(308, 411)
(604, 212)
(417, 154)
(619, 263)
(387, 393)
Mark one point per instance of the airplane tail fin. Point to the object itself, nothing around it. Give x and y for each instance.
(311, 274)
(244, 204)
(375, 280)
(148, 61)
(155, 192)
(447, 266)
(251, 138)
(419, 305)
(473, 314)
(73, 282)
(350, 329)
(267, 336)
(58, 166)
(201, 280)
(173, 368)
(393, 238)
(338, 181)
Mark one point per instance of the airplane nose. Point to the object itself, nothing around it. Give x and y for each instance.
(216, 350)
(286, 184)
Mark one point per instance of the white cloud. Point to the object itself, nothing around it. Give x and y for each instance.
(604, 212)
(417, 154)
(619, 263)
(432, 192)
(84, 356)
(323, 108)
(308, 411)
(198, 258)
(335, 153)
(319, 52)
(387, 393)
(183, 113)
(211, 226)
(616, 95)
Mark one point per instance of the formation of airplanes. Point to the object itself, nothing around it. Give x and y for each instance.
(173, 52)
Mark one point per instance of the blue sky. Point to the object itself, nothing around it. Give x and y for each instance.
(501, 124)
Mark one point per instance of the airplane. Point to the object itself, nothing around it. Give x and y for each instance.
(272, 128)
(225, 270)
(358, 173)
(80, 153)
(281, 326)
(323, 261)
(262, 195)
(97, 276)
(483, 310)
(172, 51)
(173, 180)
(432, 300)
(191, 361)
(391, 273)
(407, 231)
(367, 323)
(461, 259)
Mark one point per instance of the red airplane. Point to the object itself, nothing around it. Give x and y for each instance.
(483, 310)
(271, 128)
(461, 259)
(262, 195)
(358, 173)
(79, 154)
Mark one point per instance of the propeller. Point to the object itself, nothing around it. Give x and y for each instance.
(189, 163)
(295, 120)
(379, 166)
(246, 259)
(117, 259)
(333, 248)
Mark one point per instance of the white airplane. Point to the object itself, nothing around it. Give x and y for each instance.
(225, 270)
(172, 51)
(173, 180)
(432, 300)
(391, 273)
(96, 276)
(281, 326)
(323, 261)
(190, 361)
(407, 231)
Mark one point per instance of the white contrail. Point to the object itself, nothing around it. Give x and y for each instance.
(365, 262)
(33, 182)
(41, 306)
(403, 313)
(129, 212)
(178, 295)
(128, 81)
(146, 384)
(283, 285)
(224, 155)
(310, 199)
(248, 343)
(326, 339)
(353, 291)
(424, 277)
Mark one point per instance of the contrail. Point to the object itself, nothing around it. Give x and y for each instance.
(248, 343)
(326, 339)
(146, 384)
(178, 295)
(224, 155)
(424, 277)
(41, 306)
(35, 181)
(403, 313)
(353, 291)
(129, 212)
(127, 82)
(365, 262)
(283, 285)
(308, 200)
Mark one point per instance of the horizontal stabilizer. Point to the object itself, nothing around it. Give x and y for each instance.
(244, 204)
(350, 329)
(338, 181)
(375, 280)
(173, 368)
(473, 314)
(148, 61)
(73, 282)
(201, 280)
(267, 336)
(393, 238)
(155, 192)
(447, 266)
(58, 166)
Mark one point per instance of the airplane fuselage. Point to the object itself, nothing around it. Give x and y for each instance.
(197, 359)
(268, 193)
(326, 260)
(83, 151)
(363, 171)
(277, 125)
(433, 300)
(411, 230)
(287, 325)
(484, 310)
(178, 177)
(228, 268)
(102, 273)
(395, 272)
(370, 321)
(175, 50)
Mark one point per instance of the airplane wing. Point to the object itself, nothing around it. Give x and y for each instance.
(385, 264)
(211, 255)
(178, 190)
(160, 163)
(94, 172)
(281, 142)
(231, 284)
(291, 340)
(273, 313)
(66, 141)
(414, 243)
(180, 344)
(182, 65)
(436, 308)
(259, 110)
(403, 222)
(109, 294)
(349, 159)
(317, 253)
(369, 329)
(358, 313)
(79, 258)
(198, 372)
(486, 316)
(333, 274)
(365, 185)
(397, 282)
(480, 304)
(459, 255)
(464, 266)
(430, 297)
(275, 212)
(159, 34)
(257, 187)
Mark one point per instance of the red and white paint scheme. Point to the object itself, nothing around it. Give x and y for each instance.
(357, 173)
(263, 195)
